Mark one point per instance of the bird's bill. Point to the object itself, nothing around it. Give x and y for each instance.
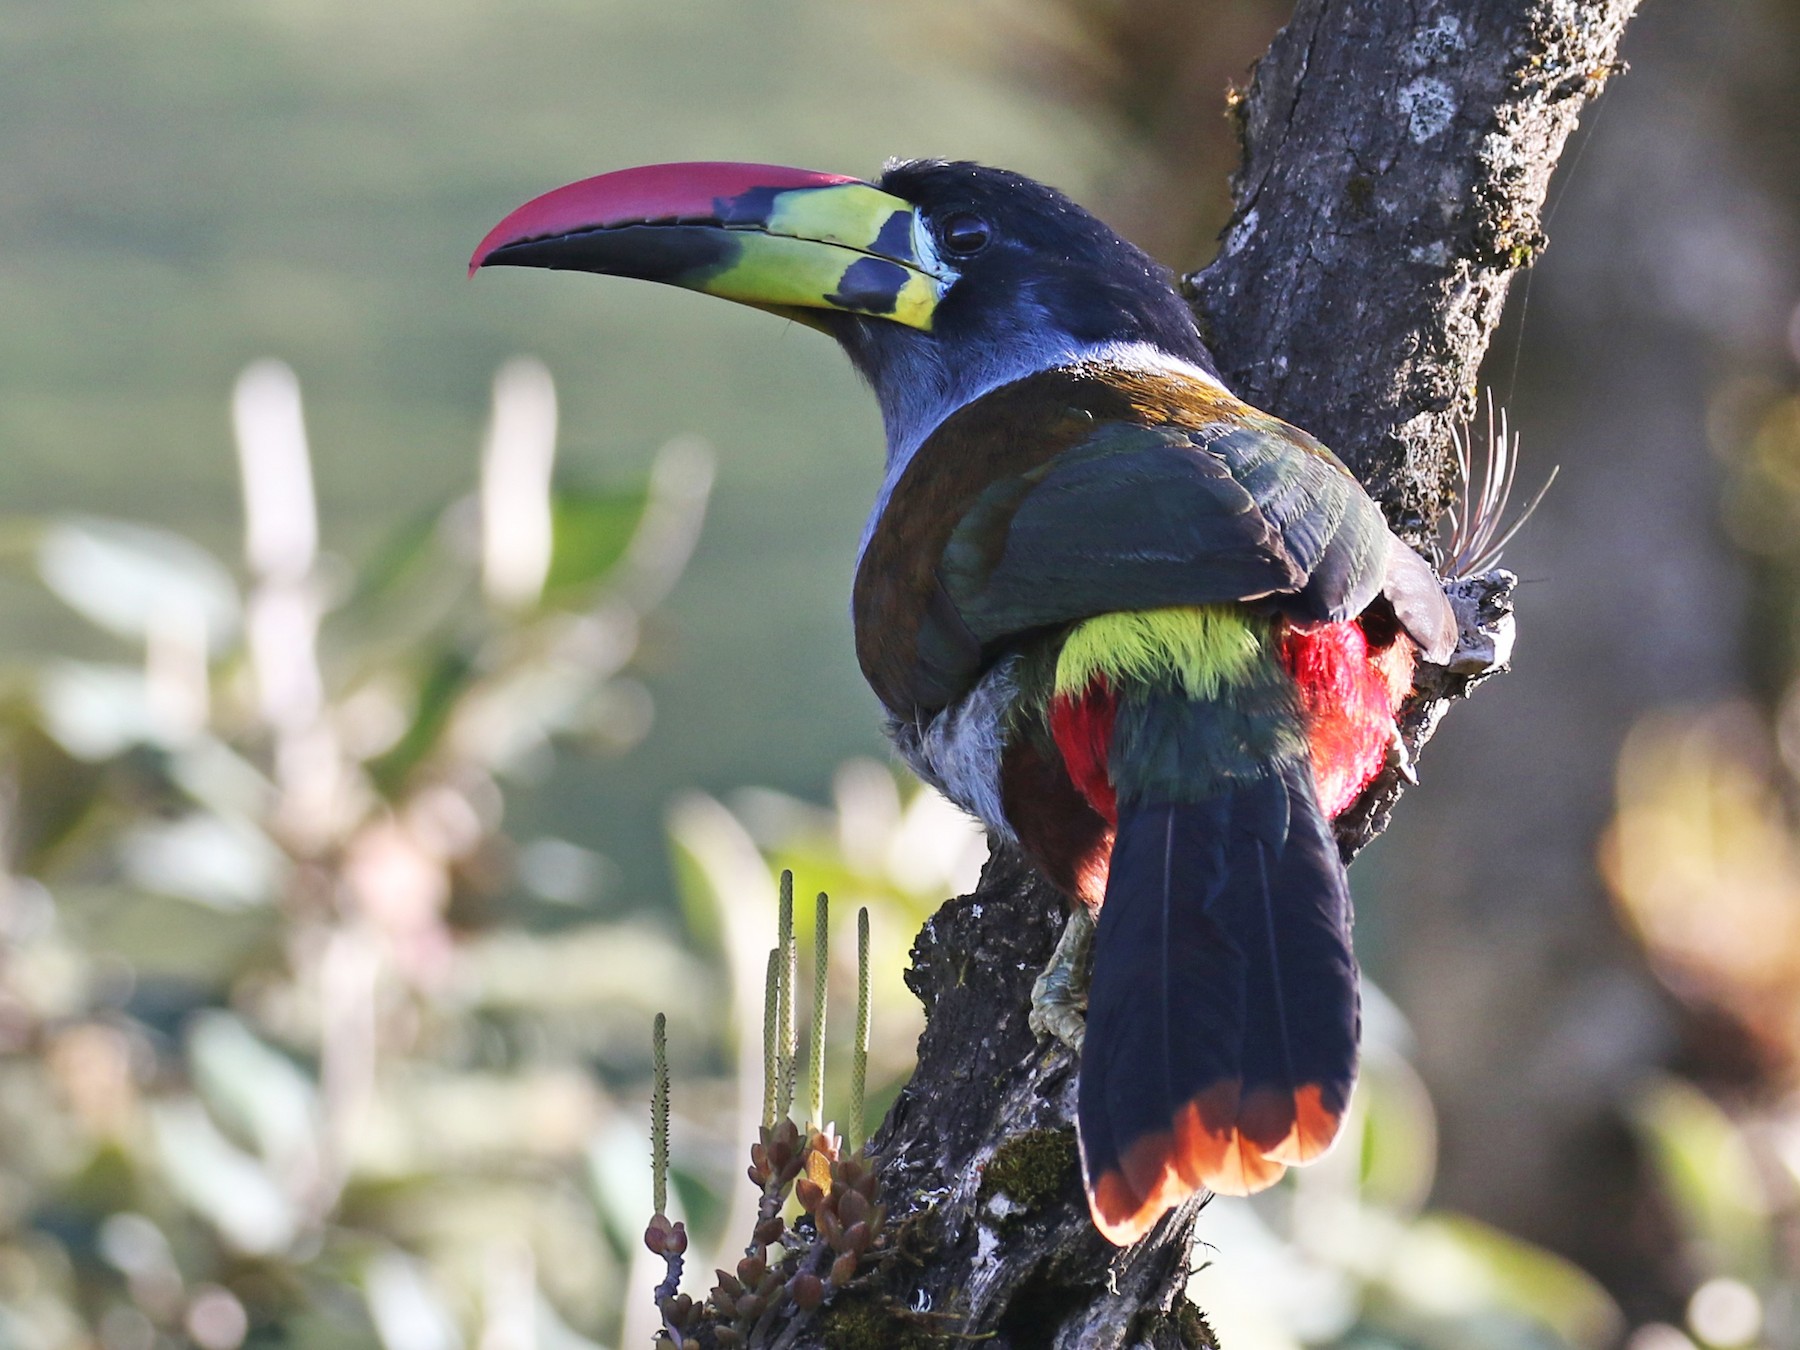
(787, 240)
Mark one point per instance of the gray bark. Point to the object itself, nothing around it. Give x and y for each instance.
(1672, 274)
(1396, 158)
(1396, 161)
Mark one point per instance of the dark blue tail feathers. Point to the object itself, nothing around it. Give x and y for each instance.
(1223, 1014)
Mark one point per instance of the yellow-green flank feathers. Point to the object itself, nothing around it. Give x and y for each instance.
(1202, 649)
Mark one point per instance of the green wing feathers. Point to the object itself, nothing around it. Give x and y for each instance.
(1069, 495)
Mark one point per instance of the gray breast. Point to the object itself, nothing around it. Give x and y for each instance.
(958, 751)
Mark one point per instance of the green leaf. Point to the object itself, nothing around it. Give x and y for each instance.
(1709, 1170)
(590, 532)
(65, 790)
(220, 1182)
(217, 861)
(409, 553)
(257, 1093)
(416, 583)
(1452, 1267)
(95, 711)
(446, 681)
(1399, 1134)
(126, 578)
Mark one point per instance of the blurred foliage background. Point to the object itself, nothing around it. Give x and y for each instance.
(374, 759)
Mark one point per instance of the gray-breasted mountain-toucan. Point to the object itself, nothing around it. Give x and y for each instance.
(1155, 637)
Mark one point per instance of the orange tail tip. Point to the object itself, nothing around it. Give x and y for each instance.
(1222, 1013)
(1266, 1134)
(1314, 1129)
(1123, 1214)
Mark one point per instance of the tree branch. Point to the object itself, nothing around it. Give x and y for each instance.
(1396, 157)
(1396, 161)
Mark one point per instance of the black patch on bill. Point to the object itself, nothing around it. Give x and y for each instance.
(895, 237)
(753, 206)
(870, 286)
(677, 254)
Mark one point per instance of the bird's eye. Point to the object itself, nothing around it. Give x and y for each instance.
(964, 234)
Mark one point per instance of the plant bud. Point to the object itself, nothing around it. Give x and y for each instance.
(807, 1192)
(852, 1207)
(843, 1270)
(807, 1290)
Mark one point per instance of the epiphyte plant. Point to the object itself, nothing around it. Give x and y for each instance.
(820, 1223)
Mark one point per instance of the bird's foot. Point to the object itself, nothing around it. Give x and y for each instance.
(1059, 995)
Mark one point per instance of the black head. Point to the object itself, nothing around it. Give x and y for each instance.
(1036, 280)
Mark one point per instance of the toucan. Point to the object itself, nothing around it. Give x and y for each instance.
(1155, 638)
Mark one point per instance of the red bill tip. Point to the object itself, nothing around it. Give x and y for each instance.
(653, 192)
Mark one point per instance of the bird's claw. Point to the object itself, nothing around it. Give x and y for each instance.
(1400, 759)
(1059, 994)
(1067, 1022)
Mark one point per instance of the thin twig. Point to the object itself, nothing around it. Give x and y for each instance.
(815, 1063)
(659, 1114)
(789, 1049)
(859, 1048)
(771, 1037)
